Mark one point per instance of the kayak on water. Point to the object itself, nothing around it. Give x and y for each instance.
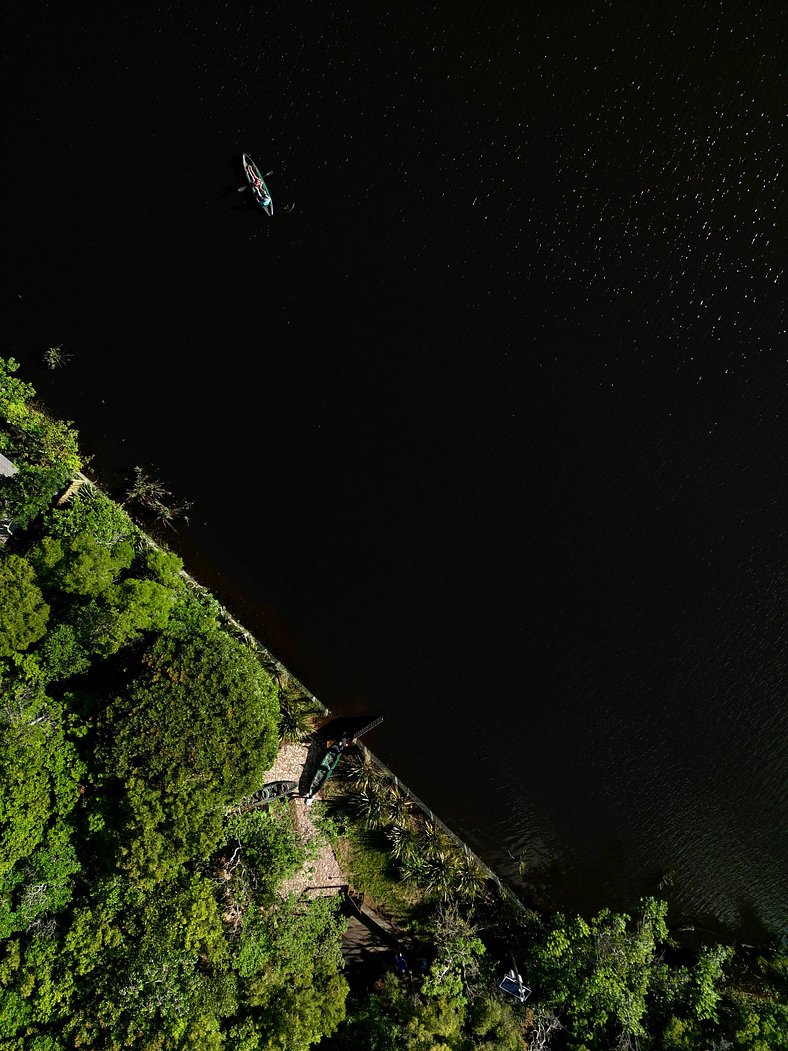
(257, 185)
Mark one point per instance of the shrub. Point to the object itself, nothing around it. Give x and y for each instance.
(23, 612)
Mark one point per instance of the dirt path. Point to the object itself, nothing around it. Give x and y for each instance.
(322, 876)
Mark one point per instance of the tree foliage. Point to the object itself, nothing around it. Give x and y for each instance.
(81, 565)
(165, 566)
(61, 654)
(290, 962)
(23, 612)
(121, 614)
(599, 973)
(196, 731)
(40, 773)
(155, 965)
(44, 450)
(266, 850)
(90, 511)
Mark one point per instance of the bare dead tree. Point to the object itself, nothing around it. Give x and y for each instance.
(546, 1024)
(147, 491)
(46, 926)
(55, 357)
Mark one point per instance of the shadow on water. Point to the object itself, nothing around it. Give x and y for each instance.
(751, 922)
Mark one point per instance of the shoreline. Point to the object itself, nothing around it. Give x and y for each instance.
(156, 804)
(287, 680)
(284, 675)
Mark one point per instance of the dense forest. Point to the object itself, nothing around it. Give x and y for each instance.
(141, 907)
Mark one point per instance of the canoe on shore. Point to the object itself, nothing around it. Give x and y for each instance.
(329, 761)
(326, 767)
(269, 792)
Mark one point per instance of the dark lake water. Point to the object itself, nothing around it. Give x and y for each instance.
(484, 432)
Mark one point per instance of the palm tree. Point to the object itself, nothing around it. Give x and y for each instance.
(403, 843)
(398, 806)
(371, 806)
(471, 879)
(440, 872)
(432, 838)
(361, 774)
(296, 718)
(443, 866)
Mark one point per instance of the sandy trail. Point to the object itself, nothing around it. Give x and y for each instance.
(322, 876)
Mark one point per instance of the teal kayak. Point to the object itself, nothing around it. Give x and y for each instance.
(260, 191)
(328, 763)
(327, 766)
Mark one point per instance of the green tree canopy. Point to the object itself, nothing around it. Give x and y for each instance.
(290, 962)
(44, 450)
(23, 612)
(196, 731)
(598, 975)
(165, 566)
(90, 511)
(61, 654)
(122, 613)
(81, 565)
(40, 773)
(154, 966)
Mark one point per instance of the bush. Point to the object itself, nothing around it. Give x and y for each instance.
(23, 612)
(269, 846)
(165, 566)
(61, 655)
(195, 732)
(44, 450)
(90, 511)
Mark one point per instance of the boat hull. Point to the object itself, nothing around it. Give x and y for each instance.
(326, 768)
(260, 192)
(267, 794)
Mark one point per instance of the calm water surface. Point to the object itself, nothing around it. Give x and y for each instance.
(483, 432)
